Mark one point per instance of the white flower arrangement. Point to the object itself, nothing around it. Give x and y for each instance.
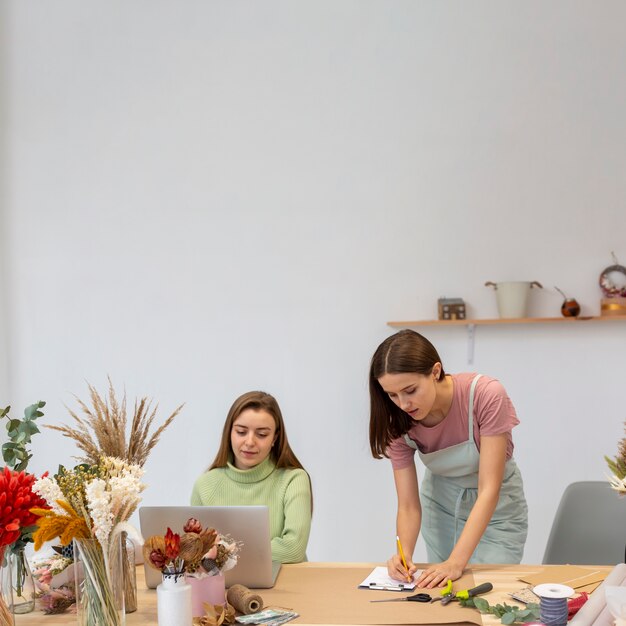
(49, 490)
(101, 497)
(99, 507)
(112, 499)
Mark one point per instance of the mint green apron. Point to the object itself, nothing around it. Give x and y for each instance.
(449, 491)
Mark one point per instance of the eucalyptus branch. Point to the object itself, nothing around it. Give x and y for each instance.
(508, 614)
(15, 452)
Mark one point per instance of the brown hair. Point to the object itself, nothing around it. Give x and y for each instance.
(406, 352)
(281, 452)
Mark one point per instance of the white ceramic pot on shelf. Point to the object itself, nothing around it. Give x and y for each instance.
(512, 297)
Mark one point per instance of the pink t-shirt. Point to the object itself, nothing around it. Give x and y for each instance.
(494, 414)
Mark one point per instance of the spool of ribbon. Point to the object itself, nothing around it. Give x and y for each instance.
(244, 600)
(575, 604)
(553, 605)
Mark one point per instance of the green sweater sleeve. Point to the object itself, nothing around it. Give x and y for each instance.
(290, 546)
(196, 500)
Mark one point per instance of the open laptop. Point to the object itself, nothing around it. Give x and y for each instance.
(248, 524)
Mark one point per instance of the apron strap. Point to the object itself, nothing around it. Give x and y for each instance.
(470, 419)
(409, 441)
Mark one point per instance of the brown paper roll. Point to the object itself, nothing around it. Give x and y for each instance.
(244, 600)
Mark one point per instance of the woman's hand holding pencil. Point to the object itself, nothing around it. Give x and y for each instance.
(398, 567)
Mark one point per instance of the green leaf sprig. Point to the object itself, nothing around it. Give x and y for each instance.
(508, 614)
(15, 452)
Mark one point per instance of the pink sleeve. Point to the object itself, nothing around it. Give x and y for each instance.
(400, 454)
(495, 413)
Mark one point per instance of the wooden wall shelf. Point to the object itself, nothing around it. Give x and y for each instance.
(471, 324)
(508, 320)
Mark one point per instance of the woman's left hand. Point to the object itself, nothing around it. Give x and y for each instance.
(437, 575)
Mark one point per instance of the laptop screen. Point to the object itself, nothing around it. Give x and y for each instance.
(249, 525)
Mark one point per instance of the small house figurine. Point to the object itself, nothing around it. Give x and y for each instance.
(451, 308)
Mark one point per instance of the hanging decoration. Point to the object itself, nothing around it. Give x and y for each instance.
(612, 281)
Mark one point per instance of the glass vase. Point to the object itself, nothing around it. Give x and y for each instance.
(130, 574)
(6, 617)
(99, 576)
(20, 583)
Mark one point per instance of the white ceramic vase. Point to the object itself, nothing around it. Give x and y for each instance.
(174, 601)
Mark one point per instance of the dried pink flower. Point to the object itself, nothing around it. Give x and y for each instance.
(192, 526)
(158, 559)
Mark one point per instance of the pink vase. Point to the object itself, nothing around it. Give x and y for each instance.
(211, 589)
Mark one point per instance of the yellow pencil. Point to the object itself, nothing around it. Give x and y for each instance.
(409, 579)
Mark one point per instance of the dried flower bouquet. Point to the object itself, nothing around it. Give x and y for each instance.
(101, 431)
(197, 552)
(91, 505)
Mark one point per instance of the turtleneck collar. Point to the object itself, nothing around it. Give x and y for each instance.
(253, 475)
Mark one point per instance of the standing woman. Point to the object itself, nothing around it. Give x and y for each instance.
(471, 504)
(255, 465)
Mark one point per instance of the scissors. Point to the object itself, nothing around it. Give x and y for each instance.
(418, 597)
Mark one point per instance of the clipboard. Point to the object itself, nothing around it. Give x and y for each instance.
(381, 581)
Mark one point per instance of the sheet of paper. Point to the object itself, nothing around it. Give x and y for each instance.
(379, 579)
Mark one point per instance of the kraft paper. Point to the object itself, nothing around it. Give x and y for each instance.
(332, 596)
(579, 578)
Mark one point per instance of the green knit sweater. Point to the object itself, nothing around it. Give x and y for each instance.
(287, 493)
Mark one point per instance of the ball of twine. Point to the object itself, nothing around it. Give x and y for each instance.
(244, 600)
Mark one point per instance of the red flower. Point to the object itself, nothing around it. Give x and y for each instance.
(16, 500)
(172, 544)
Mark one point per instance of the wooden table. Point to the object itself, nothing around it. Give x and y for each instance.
(505, 578)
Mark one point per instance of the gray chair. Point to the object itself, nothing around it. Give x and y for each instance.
(589, 527)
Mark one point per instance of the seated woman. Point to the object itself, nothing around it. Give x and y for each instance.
(255, 465)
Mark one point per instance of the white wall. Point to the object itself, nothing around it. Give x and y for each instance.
(3, 240)
(211, 197)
